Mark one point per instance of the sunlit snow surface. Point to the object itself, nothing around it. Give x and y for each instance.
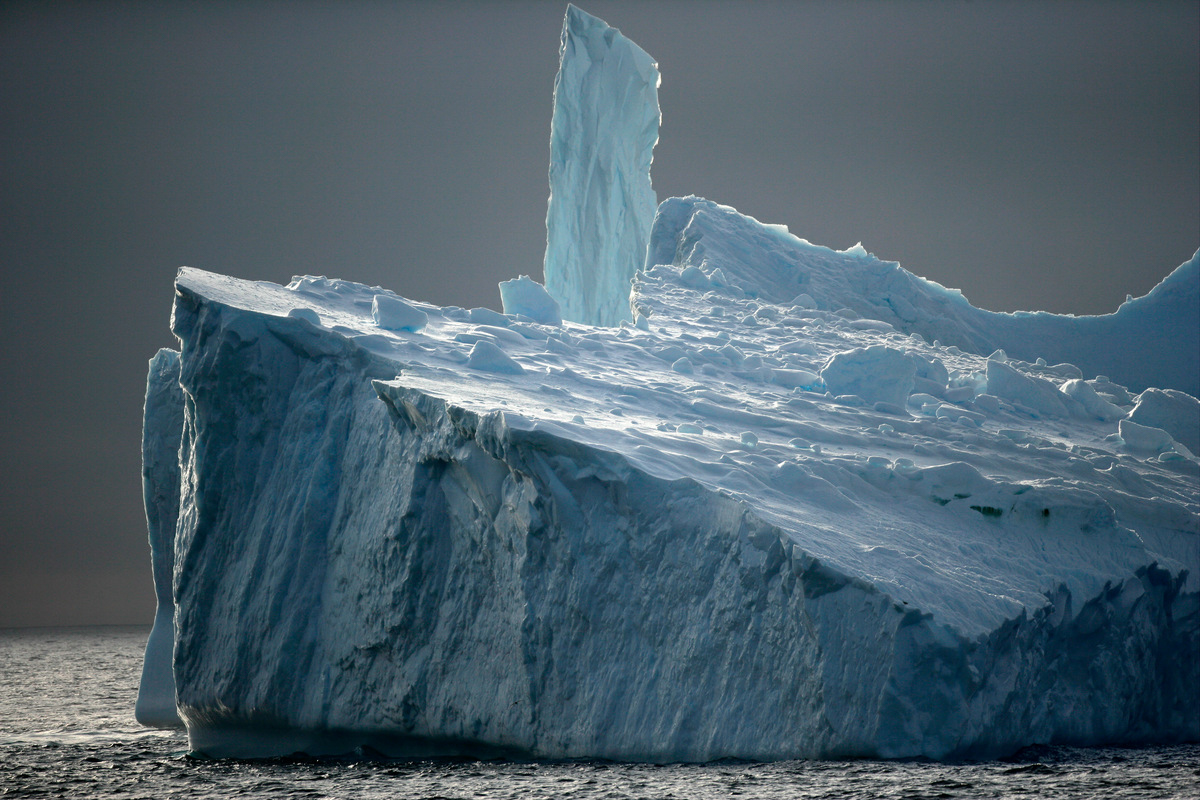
(680, 539)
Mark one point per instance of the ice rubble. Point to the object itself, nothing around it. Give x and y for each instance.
(805, 504)
(602, 139)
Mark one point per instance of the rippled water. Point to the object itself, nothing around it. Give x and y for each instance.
(67, 730)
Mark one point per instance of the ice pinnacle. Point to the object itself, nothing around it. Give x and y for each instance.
(602, 141)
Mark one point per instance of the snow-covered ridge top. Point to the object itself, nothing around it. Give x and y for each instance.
(931, 472)
(765, 262)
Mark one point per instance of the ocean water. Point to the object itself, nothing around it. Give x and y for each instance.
(67, 730)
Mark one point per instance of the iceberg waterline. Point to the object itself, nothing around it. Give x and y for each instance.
(803, 506)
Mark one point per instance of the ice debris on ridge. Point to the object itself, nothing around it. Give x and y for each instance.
(526, 297)
(808, 505)
(1174, 411)
(876, 374)
(487, 356)
(602, 139)
(393, 314)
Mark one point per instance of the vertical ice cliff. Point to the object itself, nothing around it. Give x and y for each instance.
(602, 140)
(162, 429)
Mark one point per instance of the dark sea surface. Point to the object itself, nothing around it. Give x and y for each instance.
(67, 730)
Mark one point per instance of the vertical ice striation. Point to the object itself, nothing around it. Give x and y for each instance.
(602, 141)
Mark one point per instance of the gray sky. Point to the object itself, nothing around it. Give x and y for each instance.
(1033, 155)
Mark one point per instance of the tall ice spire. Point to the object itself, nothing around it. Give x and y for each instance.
(602, 141)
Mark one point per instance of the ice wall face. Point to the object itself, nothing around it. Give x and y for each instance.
(162, 430)
(602, 140)
(604, 553)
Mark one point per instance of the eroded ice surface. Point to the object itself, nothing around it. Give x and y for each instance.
(602, 140)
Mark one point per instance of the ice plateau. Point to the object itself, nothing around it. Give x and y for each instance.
(802, 504)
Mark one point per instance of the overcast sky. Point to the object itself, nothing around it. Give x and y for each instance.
(1036, 156)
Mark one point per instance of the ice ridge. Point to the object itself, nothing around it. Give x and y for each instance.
(731, 252)
(602, 139)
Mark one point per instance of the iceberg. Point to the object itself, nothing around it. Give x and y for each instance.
(802, 504)
(602, 139)
(383, 540)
